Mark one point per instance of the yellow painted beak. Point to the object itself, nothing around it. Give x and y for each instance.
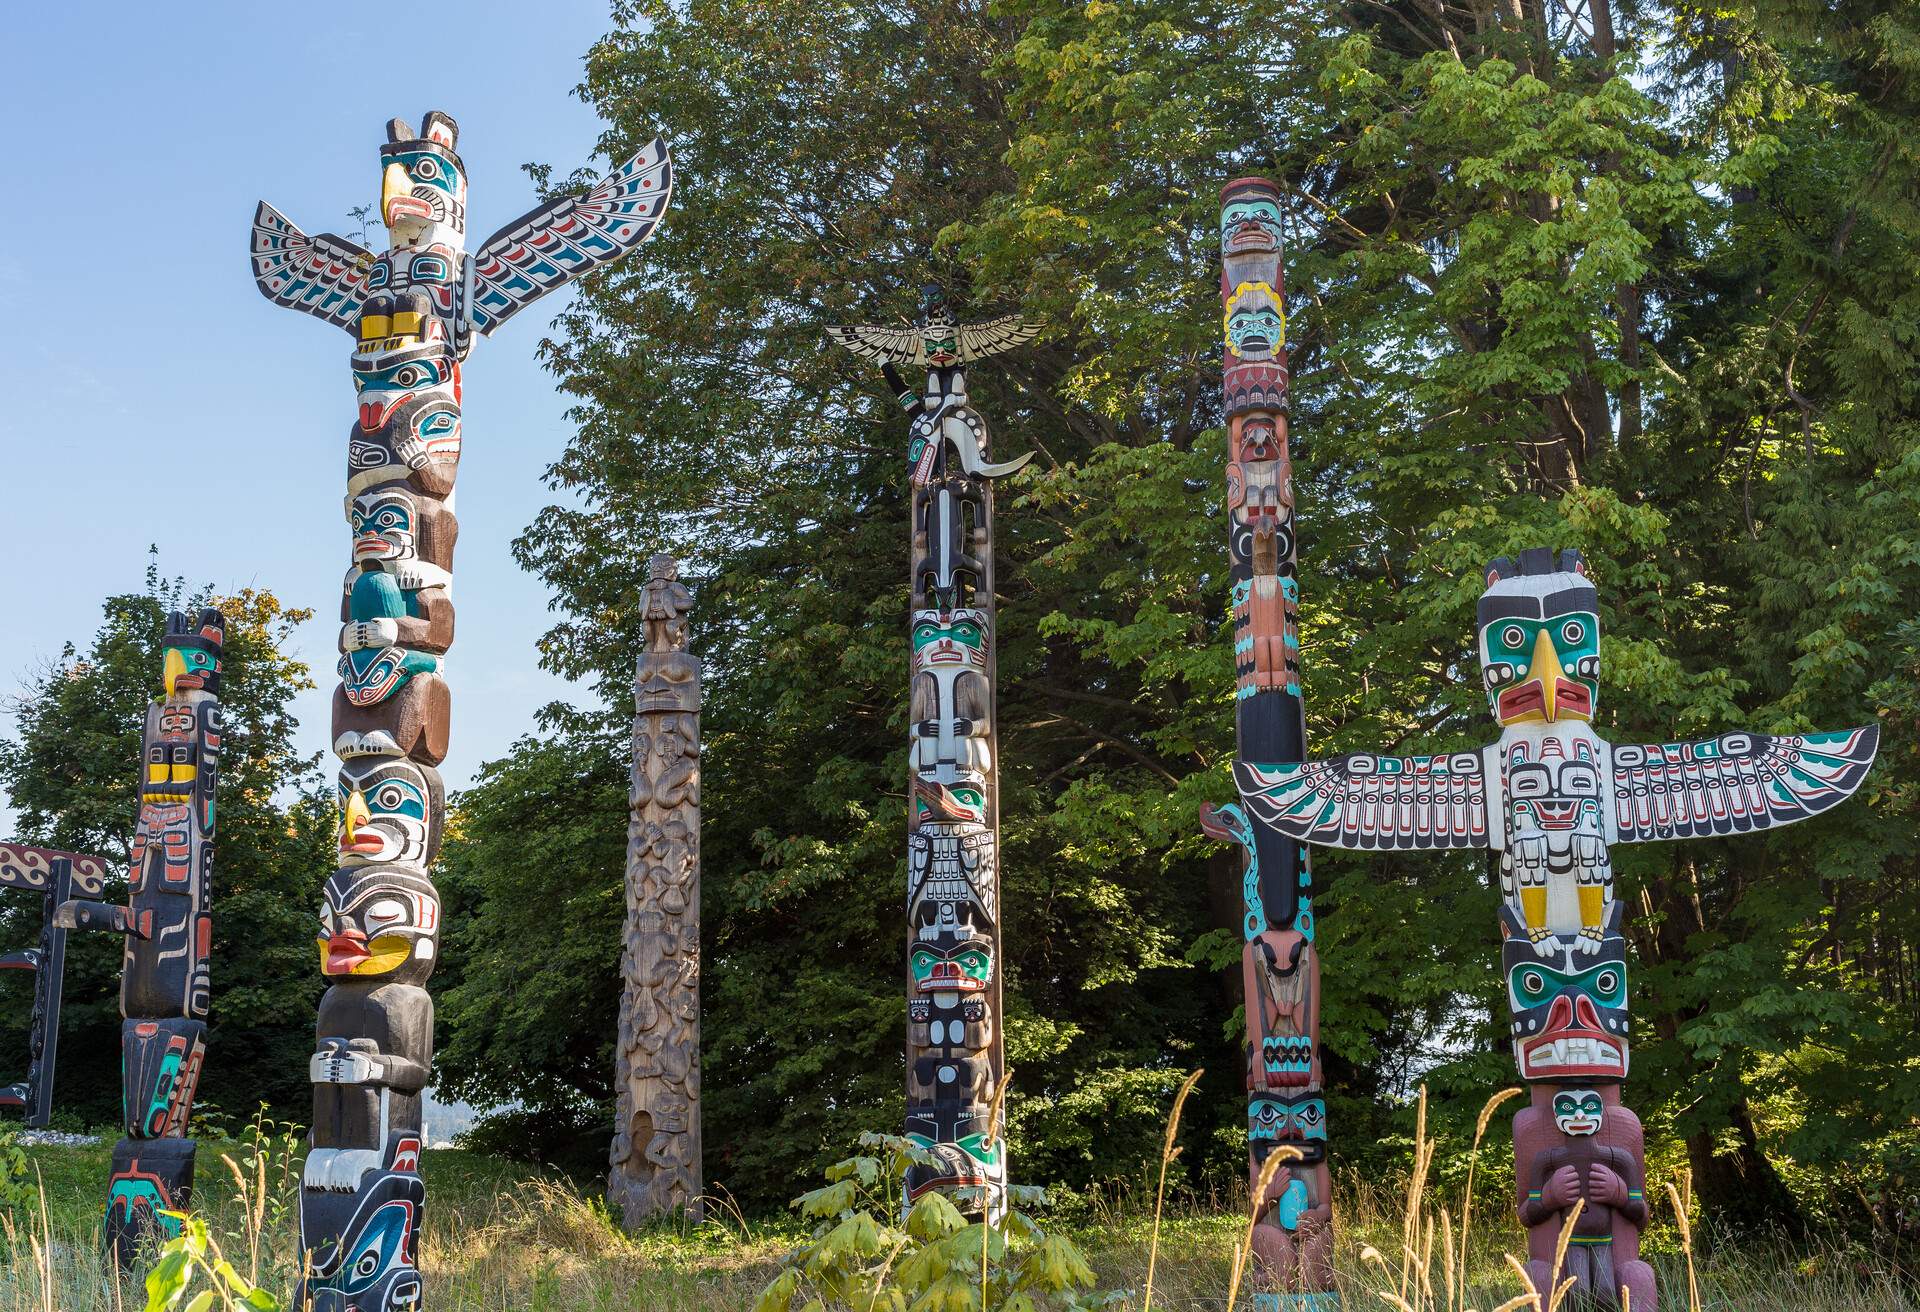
(1544, 665)
(176, 666)
(393, 182)
(357, 814)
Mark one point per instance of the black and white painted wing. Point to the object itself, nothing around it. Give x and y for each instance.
(326, 276)
(979, 340)
(888, 345)
(1735, 783)
(569, 235)
(1372, 802)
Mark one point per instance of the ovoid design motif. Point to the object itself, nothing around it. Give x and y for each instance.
(955, 1059)
(1292, 1262)
(55, 876)
(168, 926)
(1551, 797)
(414, 312)
(656, 1138)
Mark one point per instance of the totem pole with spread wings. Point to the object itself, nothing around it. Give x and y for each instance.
(955, 1059)
(1551, 797)
(413, 312)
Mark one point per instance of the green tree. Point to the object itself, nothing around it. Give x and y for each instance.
(1631, 278)
(72, 772)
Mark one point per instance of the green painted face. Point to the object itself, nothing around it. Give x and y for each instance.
(1578, 1111)
(965, 969)
(1531, 984)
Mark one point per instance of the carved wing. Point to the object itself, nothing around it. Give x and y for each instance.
(979, 340)
(569, 235)
(1735, 783)
(326, 275)
(1372, 802)
(890, 345)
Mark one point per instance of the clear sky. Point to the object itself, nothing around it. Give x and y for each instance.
(152, 395)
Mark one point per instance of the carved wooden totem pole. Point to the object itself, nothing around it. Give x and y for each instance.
(955, 1059)
(1551, 797)
(656, 1137)
(1280, 968)
(56, 876)
(414, 313)
(168, 925)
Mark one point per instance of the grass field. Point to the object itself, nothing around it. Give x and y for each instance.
(507, 1237)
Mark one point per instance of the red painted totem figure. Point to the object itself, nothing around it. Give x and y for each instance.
(168, 924)
(1551, 796)
(1280, 967)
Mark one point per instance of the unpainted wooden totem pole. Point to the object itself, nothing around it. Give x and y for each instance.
(1292, 1259)
(955, 1057)
(656, 1139)
(414, 312)
(1551, 797)
(168, 925)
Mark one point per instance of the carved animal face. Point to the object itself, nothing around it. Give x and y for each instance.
(383, 383)
(423, 186)
(190, 652)
(1550, 790)
(384, 524)
(1540, 639)
(390, 812)
(1570, 1013)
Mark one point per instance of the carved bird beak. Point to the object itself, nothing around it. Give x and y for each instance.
(397, 202)
(176, 665)
(357, 815)
(1544, 665)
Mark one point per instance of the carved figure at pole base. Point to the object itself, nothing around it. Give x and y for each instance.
(655, 1166)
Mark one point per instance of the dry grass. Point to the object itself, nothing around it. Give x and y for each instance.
(505, 1239)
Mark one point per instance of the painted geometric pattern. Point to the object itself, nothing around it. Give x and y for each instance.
(1365, 801)
(30, 868)
(1736, 782)
(568, 236)
(326, 275)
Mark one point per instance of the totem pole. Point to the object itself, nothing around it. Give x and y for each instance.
(1551, 796)
(656, 1138)
(955, 1058)
(414, 312)
(1279, 966)
(164, 988)
(55, 876)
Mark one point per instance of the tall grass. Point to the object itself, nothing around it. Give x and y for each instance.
(506, 1239)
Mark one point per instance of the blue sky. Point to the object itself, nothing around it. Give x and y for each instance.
(154, 396)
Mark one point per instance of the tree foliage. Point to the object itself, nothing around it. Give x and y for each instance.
(1636, 279)
(73, 774)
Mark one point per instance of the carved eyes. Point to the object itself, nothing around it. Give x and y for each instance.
(387, 911)
(1572, 632)
(1607, 982)
(1513, 636)
(426, 168)
(1533, 983)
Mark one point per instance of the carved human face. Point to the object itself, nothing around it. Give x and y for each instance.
(390, 811)
(1299, 1121)
(379, 920)
(1256, 322)
(1578, 1111)
(950, 640)
(1550, 788)
(1569, 1013)
(1540, 647)
(1249, 222)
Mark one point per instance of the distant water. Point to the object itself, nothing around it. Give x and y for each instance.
(443, 1121)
